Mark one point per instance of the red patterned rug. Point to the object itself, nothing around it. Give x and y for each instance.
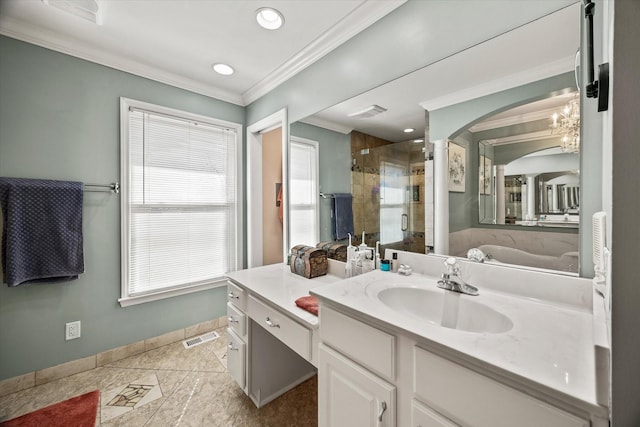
(79, 411)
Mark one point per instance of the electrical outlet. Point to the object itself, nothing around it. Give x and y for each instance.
(72, 330)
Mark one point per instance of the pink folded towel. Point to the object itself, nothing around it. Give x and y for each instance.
(309, 303)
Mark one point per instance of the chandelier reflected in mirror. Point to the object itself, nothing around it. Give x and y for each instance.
(566, 124)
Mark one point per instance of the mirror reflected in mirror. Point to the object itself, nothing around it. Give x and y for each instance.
(528, 172)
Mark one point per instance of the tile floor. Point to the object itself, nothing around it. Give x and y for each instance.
(171, 386)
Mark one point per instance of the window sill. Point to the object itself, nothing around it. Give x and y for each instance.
(141, 299)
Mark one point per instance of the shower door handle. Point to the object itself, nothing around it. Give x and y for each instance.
(405, 222)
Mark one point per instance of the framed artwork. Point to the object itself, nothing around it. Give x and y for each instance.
(481, 175)
(488, 175)
(457, 168)
(485, 175)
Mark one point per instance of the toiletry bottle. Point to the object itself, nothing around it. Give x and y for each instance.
(363, 245)
(394, 262)
(359, 268)
(377, 264)
(351, 255)
(368, 263)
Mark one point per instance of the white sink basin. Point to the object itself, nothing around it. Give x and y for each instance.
(445, 308)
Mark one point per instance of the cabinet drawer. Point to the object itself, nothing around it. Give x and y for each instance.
(293, 334)
(236, 320)
(236, 296)
(473, 399)
(236, 358)
(423, 416)
(365, 344)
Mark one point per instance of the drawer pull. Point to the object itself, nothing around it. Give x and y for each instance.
(383, 407)
(270, 323)
(232, 320)
(231, 347)
(232, 295)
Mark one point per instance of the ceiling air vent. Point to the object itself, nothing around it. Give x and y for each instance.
(85, 9)
(368, 112)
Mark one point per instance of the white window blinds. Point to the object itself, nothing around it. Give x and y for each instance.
(181, 202)
(304, 192)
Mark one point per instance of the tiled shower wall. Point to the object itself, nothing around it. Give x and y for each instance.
(365, 187)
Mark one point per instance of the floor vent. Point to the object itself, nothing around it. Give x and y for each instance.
(200, 339)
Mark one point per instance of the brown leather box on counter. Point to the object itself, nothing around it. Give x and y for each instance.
(337, 251)
(308, 261)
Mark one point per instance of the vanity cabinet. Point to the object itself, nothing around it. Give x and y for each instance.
(367, 370)
(268, 351)
(237, 334)
(477, 400)
(356, 372)
(351, 395)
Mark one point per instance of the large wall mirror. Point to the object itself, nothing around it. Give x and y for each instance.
(379, 154)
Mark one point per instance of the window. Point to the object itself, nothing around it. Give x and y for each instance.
(180, 201)
(393, 183)
(303, 195)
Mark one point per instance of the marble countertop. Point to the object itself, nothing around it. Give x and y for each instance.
(550, 348)
(277, 285)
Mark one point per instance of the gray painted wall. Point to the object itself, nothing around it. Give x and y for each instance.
(335, 167)
(624, 216)
(59, 119)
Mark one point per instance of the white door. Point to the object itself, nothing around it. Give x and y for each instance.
(351, 396)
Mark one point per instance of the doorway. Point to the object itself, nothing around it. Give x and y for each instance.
(262, 245)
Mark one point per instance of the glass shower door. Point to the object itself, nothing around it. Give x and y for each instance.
(388, 189)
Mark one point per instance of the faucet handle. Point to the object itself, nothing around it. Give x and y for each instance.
(451, 264)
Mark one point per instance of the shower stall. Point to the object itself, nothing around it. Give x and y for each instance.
(387, 183)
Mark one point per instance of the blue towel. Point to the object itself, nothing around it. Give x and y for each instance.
(42, 230)
(342, 223)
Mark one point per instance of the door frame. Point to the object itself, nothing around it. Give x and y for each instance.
(254, 185)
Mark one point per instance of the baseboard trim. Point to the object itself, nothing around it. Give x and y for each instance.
(43, 376)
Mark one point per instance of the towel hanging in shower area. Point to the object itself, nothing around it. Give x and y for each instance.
(342, 224)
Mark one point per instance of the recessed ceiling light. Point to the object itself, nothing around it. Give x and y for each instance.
(408, 130)
(269, 18)
(419, 140)
(223, 69)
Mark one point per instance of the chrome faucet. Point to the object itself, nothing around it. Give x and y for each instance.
(452, 281)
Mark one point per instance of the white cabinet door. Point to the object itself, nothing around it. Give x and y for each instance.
(423, 416)
(351, 396)
(236, 358)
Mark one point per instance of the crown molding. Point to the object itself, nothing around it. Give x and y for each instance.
(509, 82)
(356, 21)
(524, 137)
(515, 120)
(74, 47)
(326, 124)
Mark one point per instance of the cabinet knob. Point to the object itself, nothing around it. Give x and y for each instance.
(232, 295)
(383, 407)
(270, 323)
(231, 347)
(232, 320)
